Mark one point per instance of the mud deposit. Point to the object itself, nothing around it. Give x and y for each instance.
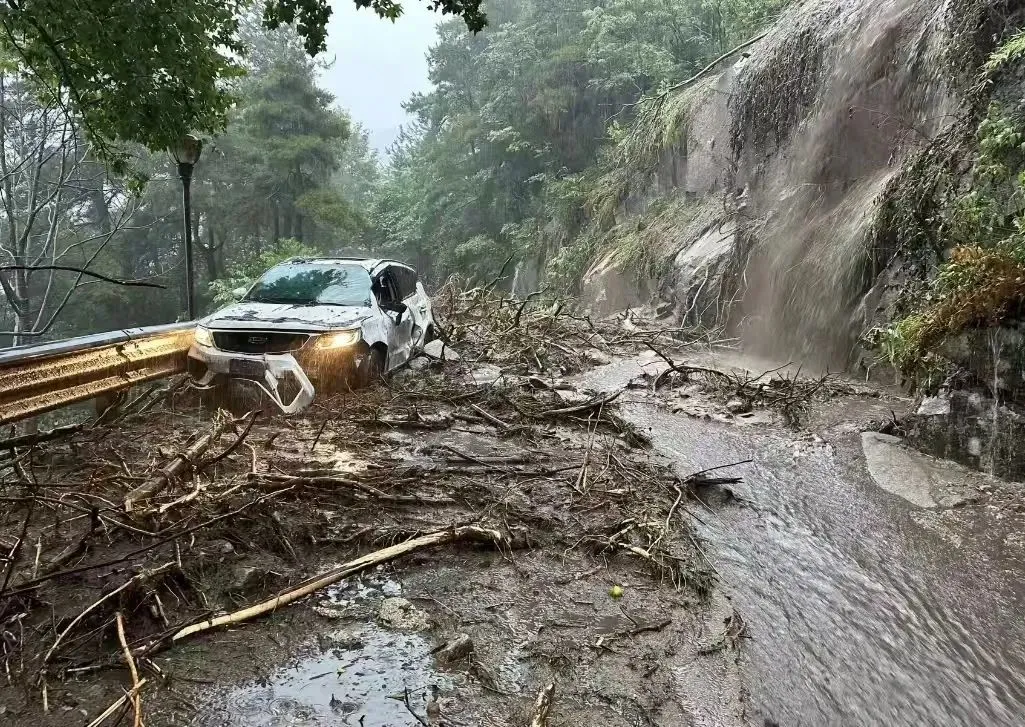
(694, 546)
(878, 589)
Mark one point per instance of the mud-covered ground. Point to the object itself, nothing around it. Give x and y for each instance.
(592, 577)
(623, 565)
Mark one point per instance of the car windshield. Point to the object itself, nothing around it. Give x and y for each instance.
(313, 284)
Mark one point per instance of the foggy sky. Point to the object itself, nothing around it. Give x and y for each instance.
(378, 64)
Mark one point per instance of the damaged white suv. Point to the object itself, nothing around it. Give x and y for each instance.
(315, 323)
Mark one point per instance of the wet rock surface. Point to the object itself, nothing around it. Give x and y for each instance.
(972, 429)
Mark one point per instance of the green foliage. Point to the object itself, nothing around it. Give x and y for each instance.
(150, 72)
(245, 272)
(983, 282)
(648, 243)
(1011, 50)
(532, 130)
(660, 125)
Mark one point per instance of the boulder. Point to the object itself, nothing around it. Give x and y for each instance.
(701, 279)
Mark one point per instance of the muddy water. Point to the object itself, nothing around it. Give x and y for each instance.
(357, 674)
(863, 608)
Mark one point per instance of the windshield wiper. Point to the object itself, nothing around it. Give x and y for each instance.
(289, 301)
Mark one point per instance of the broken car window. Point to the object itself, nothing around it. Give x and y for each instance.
(313, 284)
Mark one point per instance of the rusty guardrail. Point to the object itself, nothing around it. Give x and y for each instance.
(39, 378)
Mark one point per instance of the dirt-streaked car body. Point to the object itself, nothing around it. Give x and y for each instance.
(312, 323)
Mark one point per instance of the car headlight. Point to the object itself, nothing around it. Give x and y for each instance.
(338, 339)
(204, 337)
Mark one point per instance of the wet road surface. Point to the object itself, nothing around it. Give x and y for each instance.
(863, 608)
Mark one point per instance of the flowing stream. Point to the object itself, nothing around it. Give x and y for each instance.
(862, 607)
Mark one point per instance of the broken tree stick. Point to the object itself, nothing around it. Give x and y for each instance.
(543, 704)
(136, 700)
(38, 438)
(439, 537)
(105, 715)
(272, 480)
(251, 417)
(180, 467)
(599, 402)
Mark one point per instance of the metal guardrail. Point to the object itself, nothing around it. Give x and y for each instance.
(39, 378)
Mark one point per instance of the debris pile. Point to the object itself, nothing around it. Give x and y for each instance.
(164, 521)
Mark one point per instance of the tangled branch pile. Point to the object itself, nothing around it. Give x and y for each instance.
(125, 536)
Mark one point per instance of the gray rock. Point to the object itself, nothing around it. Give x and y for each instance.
(454, 649)
(738, 406)
(401, 615)
(330, 612)
(971, 430)
(701, 272)
(247, 580)
(438, 349)
(934, 406)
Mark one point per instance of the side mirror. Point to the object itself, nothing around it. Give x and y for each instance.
(239, 292)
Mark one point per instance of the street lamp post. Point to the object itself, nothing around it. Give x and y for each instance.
(186, 153)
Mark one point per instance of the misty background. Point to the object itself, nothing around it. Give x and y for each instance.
(376, 65)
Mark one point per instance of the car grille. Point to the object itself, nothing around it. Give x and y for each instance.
(259, 341)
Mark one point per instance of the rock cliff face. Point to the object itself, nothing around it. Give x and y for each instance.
(799, 136)
(795, 151)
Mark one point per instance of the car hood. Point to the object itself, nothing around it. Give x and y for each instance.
(287, 316)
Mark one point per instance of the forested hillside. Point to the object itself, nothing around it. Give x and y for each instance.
(520, 144)
(512, 153)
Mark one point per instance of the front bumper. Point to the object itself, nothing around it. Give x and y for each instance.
(266, 371)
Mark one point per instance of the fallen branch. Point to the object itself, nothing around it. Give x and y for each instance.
(180, 467)
(272, 479)
(26, 440)
(252, 417)
(490, 417)
(12, 557)
(385, 555)
(34, 582)
(106, 714)
(599, 403)
(409, 708)
(81, 271)
(136, 700)
(542, 705)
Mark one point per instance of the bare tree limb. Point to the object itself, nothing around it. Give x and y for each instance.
(81, 271)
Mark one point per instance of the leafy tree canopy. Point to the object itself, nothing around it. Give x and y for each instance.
(149, 72)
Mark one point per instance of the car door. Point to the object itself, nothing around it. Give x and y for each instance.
(416, 301)
(400, 336)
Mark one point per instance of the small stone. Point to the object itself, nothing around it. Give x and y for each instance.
(400, 614)
(221, 547)
(455, 649)
(329, 613)
(438, 349)
(737, 405)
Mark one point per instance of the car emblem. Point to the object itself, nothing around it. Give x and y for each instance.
(257, 339)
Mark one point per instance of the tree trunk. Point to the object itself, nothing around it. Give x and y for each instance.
(23, 311)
